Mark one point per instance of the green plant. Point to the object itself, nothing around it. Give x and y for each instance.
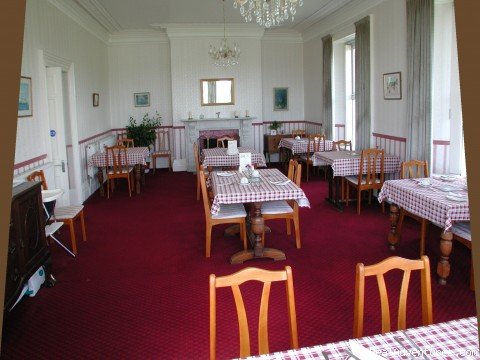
(143, 134)
(275, 125)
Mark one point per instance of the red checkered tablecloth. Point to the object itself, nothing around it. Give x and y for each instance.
(227, 190)
(346, 163)
(135, 155)
(218, 157)
(456, 339)
(431, 202)
(300, 146)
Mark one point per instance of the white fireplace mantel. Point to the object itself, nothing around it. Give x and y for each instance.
(194, 126)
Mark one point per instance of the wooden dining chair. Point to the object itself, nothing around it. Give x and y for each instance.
(378, 270)
(128, 143)
(223, 141)
(118, 168)
(410, 170)
(342, 145)
(65, 214)
(461, 232)
(283, 209)
(228, 214)
(162, 149)
(234, 281)
(313, 146)
(198, 168)
(373, 178)
(299, 132)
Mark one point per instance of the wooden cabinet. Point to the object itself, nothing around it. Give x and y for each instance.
(27, 246)
(270, 144)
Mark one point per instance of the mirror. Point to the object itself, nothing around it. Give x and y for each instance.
(217, 92)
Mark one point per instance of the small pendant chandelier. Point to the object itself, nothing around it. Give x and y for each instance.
(267, 12)
(224, 55)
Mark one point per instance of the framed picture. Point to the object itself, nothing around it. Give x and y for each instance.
(25, 97)
(96, 99)
(141, 99)
(392, 86)
(280, 99)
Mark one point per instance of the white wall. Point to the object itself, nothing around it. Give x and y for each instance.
(312, 77)
(139, 67)
(282, 66)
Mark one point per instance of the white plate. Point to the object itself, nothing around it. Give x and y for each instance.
(457, 198)
(353, 153)
(448, 188)
(424, 185)
(281, 183)
(448, 177)
(225, 174)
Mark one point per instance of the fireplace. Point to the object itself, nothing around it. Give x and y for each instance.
(197, 129)
(208, 138)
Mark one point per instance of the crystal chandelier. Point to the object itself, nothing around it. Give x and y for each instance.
(267, 12)
(223, 55)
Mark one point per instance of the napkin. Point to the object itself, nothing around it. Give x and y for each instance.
(362, 352)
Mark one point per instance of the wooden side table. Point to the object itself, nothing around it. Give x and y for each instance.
(270, 144)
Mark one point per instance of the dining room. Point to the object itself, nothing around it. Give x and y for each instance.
(192, 166)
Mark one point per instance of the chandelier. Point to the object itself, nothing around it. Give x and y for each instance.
(267, 12)
(224, 55)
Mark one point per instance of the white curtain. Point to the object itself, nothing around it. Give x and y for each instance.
(362, 84)
(419, 75)
(327, 86)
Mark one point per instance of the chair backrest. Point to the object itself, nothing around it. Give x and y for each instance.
(378, 270)
(116, 160)
(163, 140)
(38, 176)
(314, 141)
(203, 186)
(342, 145)
(223, 141)
(414, 169)
(196, 156)
(126, 142)
(234, 281)
(369, 160)
(299, 132)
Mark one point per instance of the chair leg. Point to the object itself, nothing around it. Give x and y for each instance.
(170, 162)
(359, 200)
(82, 222)
(289, 227)
(154, 164)
(208, 240)
(401, 217)
(108, 188)
(129, 188)
(243, 234)
(423, 235)
(296, 224)
(72, 235)
(198, 187)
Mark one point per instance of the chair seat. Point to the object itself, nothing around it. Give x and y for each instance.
(67, 212)
(161, 152)
(229, 211)
(52, 228)
(462, 229)
(276, 207)
(130, 169)
(354, 180)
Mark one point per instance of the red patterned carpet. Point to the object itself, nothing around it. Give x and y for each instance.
(139, 287)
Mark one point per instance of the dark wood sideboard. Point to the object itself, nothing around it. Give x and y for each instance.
(270, 144)
(27, 245)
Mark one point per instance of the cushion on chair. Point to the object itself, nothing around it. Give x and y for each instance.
(276, 207)
(130, 169)
(228, 211)
(462, 229)
(354, 179)
(52, 228)
(67, 212)
(162, 152)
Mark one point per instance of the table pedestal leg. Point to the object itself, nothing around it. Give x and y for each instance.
(137, 178)
(256, 223)
(443, 267)
(393, 235)
(100, 181)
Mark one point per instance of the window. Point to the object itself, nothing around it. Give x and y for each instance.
(350, 92)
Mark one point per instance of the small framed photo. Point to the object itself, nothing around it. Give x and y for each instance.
(280, 99)
(141, 99)
(273, 132)
(96, 99)
(25, 97)
(392, 86)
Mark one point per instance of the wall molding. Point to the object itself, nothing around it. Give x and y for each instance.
(71, 9)
(283, 35)
(29, 162)
(102, 16)
(193, 31)
(134, 37)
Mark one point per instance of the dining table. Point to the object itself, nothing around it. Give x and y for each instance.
(454, 339)
(440, 199)
(271, 185)
(218, 157)
(347, 163)
(299, 146)
(136, 156)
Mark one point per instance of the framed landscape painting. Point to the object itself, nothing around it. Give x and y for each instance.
(141, 99)
(280, 99)
(25, 97)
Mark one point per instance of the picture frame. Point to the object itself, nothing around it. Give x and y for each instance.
(141, 99)
(392, 86)
(96, 99)
(25, 106)
(280, 99)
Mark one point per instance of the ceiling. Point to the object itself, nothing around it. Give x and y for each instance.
(118, 15)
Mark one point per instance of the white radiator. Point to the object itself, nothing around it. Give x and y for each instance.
(89, 151)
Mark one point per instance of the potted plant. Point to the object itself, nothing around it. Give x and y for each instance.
(143, 134)
(274, 126)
